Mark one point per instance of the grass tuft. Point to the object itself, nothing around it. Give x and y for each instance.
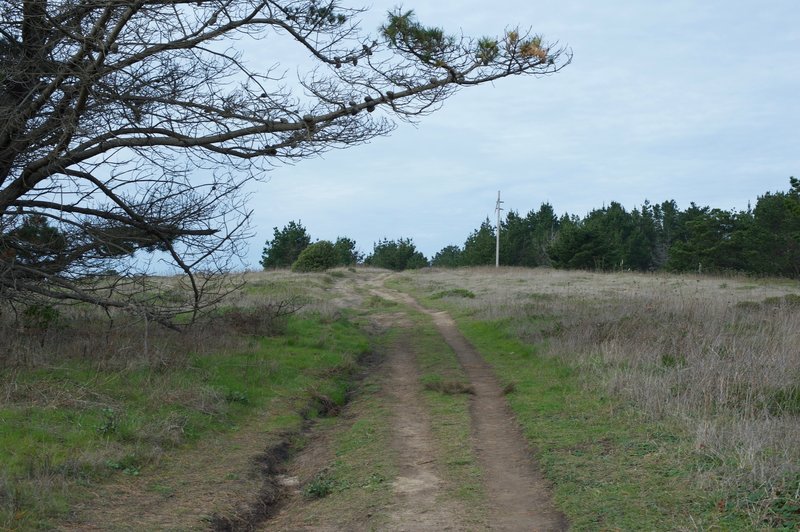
(455, 292)
(449, 387)
(320, 486)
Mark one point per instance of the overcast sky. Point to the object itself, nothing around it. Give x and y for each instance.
(688, 100)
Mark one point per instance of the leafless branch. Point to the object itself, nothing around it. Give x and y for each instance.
(129, 127)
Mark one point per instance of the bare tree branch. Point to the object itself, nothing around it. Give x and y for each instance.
(129, 127)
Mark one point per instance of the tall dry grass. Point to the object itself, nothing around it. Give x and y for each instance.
(720, 354)
(118, 391)
(121, 340)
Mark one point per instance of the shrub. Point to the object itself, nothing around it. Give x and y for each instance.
(286, 246)
(317, 257)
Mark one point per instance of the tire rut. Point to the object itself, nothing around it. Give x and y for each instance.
(518, 496)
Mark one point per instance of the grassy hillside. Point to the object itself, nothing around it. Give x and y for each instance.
(84, 398)
(650, 401)
(654, 401)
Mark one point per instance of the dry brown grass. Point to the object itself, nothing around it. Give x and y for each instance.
(450, 387)
(721, 354)
(119, 340)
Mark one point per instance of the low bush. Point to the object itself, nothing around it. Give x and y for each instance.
(317, 257)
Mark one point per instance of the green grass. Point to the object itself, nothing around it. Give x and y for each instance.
(455, 292)
(357, 481)
(611, 468)
(77, 424)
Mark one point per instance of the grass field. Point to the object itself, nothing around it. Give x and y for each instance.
(650, 396)
(650, 401)
(84, 400)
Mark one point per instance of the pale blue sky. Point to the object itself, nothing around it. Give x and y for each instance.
(685, 100)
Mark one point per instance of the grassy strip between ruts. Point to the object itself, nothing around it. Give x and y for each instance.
(78, 424)
(611, 468)
(356, 483)
(447, 395)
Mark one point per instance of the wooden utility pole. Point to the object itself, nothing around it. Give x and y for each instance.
(497, 246)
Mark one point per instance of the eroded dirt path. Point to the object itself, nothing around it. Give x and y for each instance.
(421, 497)
(518, 496)
(419, 489)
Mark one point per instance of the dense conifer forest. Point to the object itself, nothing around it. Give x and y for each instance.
(764, 239)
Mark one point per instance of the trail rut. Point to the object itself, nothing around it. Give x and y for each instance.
(418, 487)
(518, 496)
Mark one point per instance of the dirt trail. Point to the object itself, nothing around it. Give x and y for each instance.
(518, 496)
(218, 474)
(420, 495)
(418, 488)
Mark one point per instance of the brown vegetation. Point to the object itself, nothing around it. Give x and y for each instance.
(720, 354)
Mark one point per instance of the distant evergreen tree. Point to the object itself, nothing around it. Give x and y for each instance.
(517, 246)
(775, 233)
(480, 247)
(396, 255)
(346, 253)
(285, 246)
(716, 240)
(581, 245)
(607, 239)
(545, 225)
(447, 257)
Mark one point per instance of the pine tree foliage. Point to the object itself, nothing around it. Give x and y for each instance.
(764, 240)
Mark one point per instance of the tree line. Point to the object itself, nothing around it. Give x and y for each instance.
(762, 240)
(291, 247)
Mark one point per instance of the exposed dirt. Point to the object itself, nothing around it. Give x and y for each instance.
(519, 497)
(419, 489)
